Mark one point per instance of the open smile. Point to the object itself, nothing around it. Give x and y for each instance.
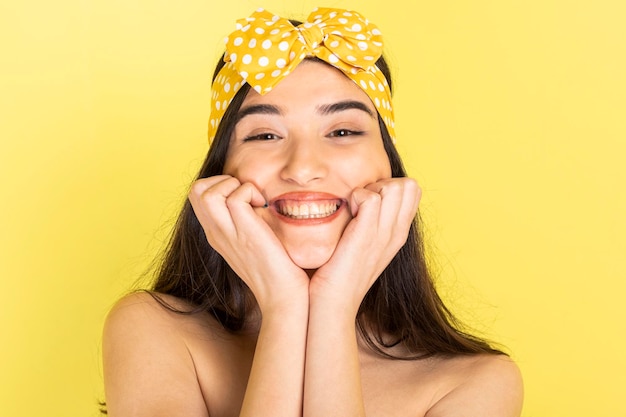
(307, 207)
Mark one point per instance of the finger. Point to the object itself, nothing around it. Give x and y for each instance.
(411, 195)
(203, 184)
(391, 192)
(241, 204)
(398, 207)
(211, 192)
(208, 196)
(364, 202)
(400, 197)
(247, 222)
(249, 194)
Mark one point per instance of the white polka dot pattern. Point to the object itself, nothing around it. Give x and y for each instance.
(265, 48)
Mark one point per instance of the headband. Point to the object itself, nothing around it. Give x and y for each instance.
(265, 48)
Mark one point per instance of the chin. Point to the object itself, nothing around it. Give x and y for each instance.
(310, 258)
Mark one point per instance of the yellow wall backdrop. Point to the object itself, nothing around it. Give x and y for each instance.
(511, 114)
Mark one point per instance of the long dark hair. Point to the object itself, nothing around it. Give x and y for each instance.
(401, 307)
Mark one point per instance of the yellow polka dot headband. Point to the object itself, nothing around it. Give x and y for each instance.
(265, 48)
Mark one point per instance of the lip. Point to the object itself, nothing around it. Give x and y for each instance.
(308, 199)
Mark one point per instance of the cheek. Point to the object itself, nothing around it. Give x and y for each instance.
(368, 169)
(385, 168)
(237, 166)
(247, 170)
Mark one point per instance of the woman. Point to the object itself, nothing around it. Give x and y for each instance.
(295, 283)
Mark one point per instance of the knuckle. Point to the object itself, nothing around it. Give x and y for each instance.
(197, 188)
(235, 198)
(411, 183)
(231, 201)
(372, 197)
(246, 188)
(394, 187)
(209, 199)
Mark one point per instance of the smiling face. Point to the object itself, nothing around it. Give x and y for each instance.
(306, 145)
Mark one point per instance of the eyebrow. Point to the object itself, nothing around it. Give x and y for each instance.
(258, 109)
(327, 109)
(324, 110)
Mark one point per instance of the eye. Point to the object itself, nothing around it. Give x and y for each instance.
(345, 132)
(261, 136)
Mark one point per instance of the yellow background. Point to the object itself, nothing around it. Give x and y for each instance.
(511, 114)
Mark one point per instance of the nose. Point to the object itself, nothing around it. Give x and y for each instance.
(304, 162)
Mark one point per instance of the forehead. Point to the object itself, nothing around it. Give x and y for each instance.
(312, 82)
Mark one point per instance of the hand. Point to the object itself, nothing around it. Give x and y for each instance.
(226, 211)
(382, 215)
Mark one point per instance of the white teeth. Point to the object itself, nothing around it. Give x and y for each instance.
(308, 210)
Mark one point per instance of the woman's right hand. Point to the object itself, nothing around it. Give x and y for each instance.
(226, 210)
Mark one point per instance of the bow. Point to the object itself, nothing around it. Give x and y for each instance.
(265, 48)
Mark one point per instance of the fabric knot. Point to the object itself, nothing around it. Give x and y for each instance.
(312, 36)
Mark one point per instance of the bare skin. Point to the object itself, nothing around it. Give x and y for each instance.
(159, 363)
(312, 144)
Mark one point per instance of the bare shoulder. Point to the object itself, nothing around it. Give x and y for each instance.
(148, 368)
(139, 304)
(484, 385)
(150, 316)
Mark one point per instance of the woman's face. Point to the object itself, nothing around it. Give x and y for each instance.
(306, 145)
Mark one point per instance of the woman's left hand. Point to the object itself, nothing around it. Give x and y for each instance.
(382, 215)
